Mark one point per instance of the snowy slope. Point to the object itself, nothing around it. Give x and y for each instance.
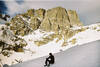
(33, 51)
(86, 55)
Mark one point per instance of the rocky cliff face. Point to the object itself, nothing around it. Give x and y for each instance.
(73, 18)
(56, 19)
(22, 24)
(59, 18)
(19, 25)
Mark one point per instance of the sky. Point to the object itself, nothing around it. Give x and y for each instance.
(88, 10)
(3, 8)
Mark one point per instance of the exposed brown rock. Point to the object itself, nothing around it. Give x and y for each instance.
(59, 19)
(45, 40)
(64, 44)
(19, 26)
(73, 18)
(55, 19)
(30, 12)
(40, 14)
(34, 23)
(73, 41)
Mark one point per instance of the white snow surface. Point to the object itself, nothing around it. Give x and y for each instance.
(33, 51)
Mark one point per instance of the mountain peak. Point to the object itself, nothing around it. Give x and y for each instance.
(54, 19)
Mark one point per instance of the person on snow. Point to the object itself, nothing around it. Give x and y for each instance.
(50, 60)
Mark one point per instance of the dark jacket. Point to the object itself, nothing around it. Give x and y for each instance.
(51, 59)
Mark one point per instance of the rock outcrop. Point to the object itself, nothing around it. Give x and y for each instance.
(9, 41)
(34, 23)
(40, 14)
(22, 24)
(73, 18)
(55, 19)
(19, 26)
(58, 20)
